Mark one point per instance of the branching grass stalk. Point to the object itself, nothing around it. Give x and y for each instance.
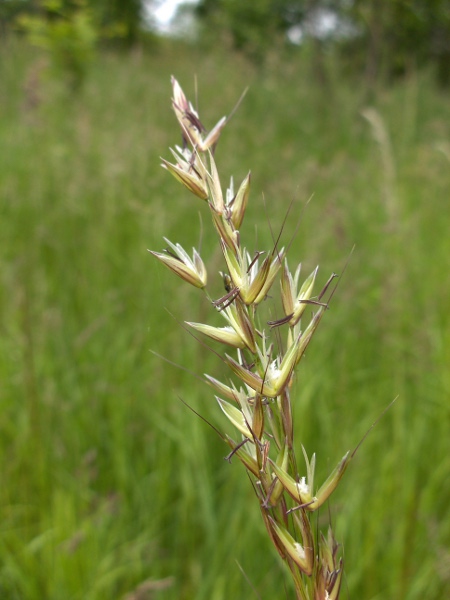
(257, 401)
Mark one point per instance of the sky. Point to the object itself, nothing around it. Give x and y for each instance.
(165, 12)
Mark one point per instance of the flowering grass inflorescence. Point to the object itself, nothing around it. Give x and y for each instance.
(259, 406)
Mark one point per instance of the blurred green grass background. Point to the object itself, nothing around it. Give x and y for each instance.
(108, 482)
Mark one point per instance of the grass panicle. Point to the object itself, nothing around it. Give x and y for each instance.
(259, 406)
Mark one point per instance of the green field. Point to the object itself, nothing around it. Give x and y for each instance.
(108, 482)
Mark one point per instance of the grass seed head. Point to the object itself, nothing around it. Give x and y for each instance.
(260, 406)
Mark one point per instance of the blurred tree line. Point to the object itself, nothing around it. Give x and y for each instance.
(383, 39)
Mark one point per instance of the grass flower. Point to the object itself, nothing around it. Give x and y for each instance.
(190, 172)
(295, 303)
(190, 123)
(225, 335)
(191, 270)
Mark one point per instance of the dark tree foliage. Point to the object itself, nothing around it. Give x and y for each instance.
(398, 35)
(10, 10)
(127, 14)
(387, 37)
(118, 18)
(252, 26)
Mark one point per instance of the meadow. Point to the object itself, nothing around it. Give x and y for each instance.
(110, 486)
